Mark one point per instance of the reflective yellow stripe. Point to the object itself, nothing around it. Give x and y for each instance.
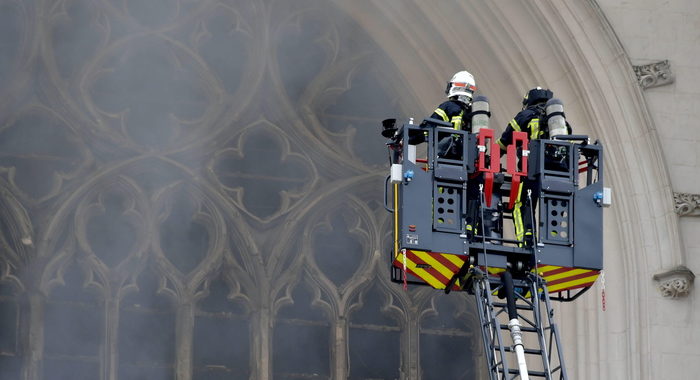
(572, 283)
(421, 273)
(456, 260)
(534, 127)
(434, 263)
(518, 221)
(501, 144)
(569, 273)
(515, 125)
(545, 269)
(493, 270)
(457, 120)
(518, 216)
(442, 114)
(427, 277)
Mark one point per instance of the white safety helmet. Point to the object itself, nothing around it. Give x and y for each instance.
(463, 86)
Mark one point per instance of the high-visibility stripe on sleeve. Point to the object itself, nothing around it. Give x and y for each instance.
(501, 144)
(534, 127)
(518, 216)
(442, 114)
(518, 222)
(457, 122)
(515, 125)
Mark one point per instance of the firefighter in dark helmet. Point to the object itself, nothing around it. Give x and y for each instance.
(532, 120)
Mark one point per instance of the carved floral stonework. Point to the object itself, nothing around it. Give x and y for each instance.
(687, 204)
(654, 74)
(675, 283)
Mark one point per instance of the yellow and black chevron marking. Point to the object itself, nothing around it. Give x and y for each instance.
(562, 278)
(434, 268)
(565, 278)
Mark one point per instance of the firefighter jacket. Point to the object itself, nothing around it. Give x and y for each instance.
(531, 120)
(453, 112)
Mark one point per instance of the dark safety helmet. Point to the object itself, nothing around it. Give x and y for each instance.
(536, 95)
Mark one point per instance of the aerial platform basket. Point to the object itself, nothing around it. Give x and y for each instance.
(433, 193)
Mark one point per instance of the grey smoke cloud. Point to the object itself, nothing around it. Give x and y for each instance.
(156, 224)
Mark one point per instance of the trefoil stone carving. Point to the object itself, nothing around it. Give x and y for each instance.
(687, 204)
(654, 74)
(675, 283)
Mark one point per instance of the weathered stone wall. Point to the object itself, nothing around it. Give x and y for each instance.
(653, 31)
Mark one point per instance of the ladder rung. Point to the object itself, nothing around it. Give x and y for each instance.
(522, 328)
(517, 305)
(530, 351)
(514, 371)
(492, 327)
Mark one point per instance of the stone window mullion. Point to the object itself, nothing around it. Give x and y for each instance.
(34, 339)
(110, 361)
(340, 350)
(184, 327)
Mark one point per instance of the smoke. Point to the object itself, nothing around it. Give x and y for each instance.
(164, 151)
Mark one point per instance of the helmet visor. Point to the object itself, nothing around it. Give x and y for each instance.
(461, 88)
(466, 87)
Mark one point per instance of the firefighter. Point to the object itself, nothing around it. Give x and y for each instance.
(532, 120)
(456, 110)
(460, 91)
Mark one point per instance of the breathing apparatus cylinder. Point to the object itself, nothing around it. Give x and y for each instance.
(490, 215)
(555, 117)
(480, 113)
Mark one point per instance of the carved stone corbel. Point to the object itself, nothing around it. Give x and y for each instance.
(687, 204)
(654, 74)
(675, 283)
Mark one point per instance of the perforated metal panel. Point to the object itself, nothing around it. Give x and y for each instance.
(556, 216)
(446, 207)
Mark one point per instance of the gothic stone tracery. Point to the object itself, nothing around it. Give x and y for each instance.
(189, 187)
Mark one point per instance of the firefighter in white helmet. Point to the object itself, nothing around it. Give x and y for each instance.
(456, 110)
(460, 91)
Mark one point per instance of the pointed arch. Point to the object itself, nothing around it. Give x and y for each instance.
(570, 47)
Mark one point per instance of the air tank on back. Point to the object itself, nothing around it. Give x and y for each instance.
(480, 113)
(555, 115)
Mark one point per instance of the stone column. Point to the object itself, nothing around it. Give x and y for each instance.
(411, 365)
(35, 336)
(184, 327)
(340, 351)
(110, 354)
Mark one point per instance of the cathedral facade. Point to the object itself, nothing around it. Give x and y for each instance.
(193, 189)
